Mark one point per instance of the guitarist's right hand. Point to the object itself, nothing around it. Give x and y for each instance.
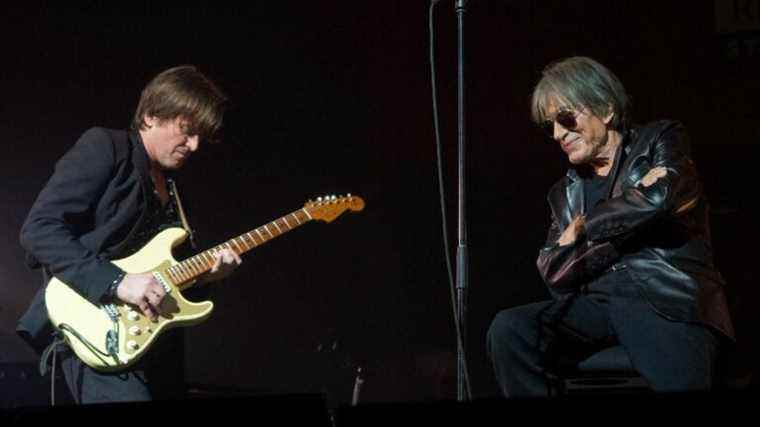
(143, 291)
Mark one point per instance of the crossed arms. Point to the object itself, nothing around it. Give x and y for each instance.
(589, 244)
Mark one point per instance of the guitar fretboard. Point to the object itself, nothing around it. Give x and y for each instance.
(194, 266)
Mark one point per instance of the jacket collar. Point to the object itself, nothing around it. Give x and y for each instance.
(620, 158)
(139, 155)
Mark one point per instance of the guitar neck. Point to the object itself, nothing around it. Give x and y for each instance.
(189, 269)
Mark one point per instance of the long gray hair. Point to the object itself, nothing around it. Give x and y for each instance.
(580, 82)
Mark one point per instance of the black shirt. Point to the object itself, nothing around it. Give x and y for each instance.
(595, 190)
(157, 218)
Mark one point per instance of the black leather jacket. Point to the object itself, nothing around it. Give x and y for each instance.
(660, 232)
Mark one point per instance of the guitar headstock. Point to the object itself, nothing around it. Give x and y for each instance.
(328, 208)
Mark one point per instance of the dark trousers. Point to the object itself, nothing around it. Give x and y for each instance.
(526, 343)
(159, 375)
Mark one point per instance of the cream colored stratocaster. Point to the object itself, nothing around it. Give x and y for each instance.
(111, 337)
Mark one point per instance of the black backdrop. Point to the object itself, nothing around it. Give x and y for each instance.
(334, 97)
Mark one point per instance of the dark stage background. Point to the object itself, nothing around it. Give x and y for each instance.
(334, 97)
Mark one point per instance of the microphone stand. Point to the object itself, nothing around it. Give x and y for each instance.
(462, 257)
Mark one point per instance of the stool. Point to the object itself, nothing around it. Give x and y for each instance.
(608, 371)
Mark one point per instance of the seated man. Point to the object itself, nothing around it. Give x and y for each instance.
(628, 255)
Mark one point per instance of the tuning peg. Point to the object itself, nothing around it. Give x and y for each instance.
(348, 195)
(319, 199)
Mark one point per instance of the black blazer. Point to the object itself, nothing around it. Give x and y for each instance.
(92, 203)
(661, 232)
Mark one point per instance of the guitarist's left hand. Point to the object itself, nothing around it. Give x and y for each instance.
(226, 262)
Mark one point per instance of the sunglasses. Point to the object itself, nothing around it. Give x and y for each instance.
(566, 118)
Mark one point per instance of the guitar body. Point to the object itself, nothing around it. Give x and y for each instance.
(112, 337)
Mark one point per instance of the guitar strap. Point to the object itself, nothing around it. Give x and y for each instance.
(174, 193)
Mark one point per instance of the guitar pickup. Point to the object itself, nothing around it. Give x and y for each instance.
(160, 279)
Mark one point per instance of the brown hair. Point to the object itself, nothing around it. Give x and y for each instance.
(183, 91)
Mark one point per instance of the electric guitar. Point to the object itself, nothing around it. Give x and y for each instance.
(111, 337)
